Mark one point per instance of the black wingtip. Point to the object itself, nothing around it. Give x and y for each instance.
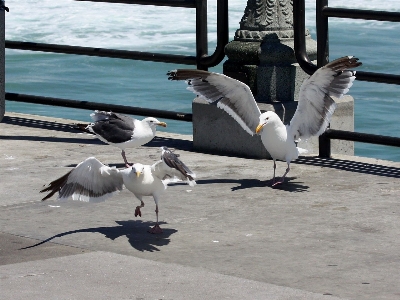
(49, 195)
(55, 186)
(354, 61)
(171, 75)
(344, 63)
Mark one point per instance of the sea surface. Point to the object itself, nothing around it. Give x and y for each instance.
(171, 30)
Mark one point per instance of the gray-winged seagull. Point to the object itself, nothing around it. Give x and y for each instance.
(122, 131)
(92, 181)
(313, 114)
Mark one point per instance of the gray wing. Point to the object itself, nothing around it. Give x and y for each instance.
(170, 166)
(227, 93)
(89, 181)
(316, 106)
(112, 127)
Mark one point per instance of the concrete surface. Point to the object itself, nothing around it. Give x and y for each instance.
(332, 231)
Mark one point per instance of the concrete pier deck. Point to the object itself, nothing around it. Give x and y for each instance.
(331, 232)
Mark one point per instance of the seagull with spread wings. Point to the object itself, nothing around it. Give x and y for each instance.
(92, 181)
(121, 130)
(313, 114)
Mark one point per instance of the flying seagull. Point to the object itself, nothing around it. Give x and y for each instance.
(121, 131)
(92, 181)
(313, 114)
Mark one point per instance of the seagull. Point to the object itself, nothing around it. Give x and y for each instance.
(312, 116)
(121, 131)
(92, 181)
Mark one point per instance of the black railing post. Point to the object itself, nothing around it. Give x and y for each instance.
(201, 33)
(324, 142)
(324, 145)
(222, 36)
(322, 34)
(3, 9)
(299, 28)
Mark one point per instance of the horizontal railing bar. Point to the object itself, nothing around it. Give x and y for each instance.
(102, 52)
(378, 77)
(361, 14)
(172, 3)
(362, 137)
(148, 112)
(205, 61)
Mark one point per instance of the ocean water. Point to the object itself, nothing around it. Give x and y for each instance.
(171, 30)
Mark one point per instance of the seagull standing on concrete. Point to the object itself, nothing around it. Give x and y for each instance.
(313, 114)
(92, 181)
(122, 131)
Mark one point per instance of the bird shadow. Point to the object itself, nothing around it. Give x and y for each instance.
(241, 184)
(136, 231)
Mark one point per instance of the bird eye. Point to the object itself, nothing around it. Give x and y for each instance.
(267, 118)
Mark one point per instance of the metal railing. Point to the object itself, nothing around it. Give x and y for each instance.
(322, 15)
(202, 60)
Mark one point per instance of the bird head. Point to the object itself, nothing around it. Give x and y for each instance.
(138, 169)
(267, 118)
(153, 122)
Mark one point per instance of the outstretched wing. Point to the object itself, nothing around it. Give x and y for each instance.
(89, 181)
(227, 93)
(316, 107)
(170, 167)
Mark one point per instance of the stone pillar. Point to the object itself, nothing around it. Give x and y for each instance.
(262, 56)
(2, 59)
(263, 51)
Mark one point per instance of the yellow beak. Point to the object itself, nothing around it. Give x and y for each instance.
(259, 127)
(138, 173)
(163, 124)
